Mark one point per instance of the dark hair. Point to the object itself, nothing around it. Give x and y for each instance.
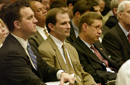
(3, 9)
(51, 16)
(12, 13)
(88, 18)
(73, 2)
(80, 7)
(58, 4)
(93, 3)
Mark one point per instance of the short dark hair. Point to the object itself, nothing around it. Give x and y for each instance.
(3, 9)
(80, 7)
(58, 4)
(93, 3)
(73, 2)
(51, 16)
(88, 18)
(12, 13)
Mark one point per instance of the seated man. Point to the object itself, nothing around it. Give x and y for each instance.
(57, 52)
(20, 62)
(116, 40)
(40, 14)
(92, 54)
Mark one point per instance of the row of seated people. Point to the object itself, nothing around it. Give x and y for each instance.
(102, 69)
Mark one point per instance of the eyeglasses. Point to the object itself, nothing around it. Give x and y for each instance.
(97, 28)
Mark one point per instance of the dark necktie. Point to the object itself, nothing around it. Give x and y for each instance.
(129, 37)
(33, 57)
(70, 68)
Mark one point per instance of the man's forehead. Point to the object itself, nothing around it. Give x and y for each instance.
(26, 11)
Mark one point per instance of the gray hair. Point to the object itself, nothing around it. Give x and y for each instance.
(121, 7)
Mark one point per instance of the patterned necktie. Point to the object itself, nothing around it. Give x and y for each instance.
(101, 58)
(33, 57)
(46, 33)
(99, 55)
(70, 68)
(129, 37)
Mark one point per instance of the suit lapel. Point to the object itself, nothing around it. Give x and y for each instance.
(57, 53)
(37, 35)
(87, 51)
(123, 38)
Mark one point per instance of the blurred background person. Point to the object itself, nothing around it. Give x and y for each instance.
(3, 32)
(40, 14)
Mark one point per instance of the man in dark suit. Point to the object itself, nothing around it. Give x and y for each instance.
(99, 67)
(116, 40)
(16, 64)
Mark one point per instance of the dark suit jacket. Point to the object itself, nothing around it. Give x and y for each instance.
(91, 62)
(72, 36)
(36, 38)
(117, 45)
(111, 22)
(16, 69)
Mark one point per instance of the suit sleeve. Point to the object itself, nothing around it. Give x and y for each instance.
(18, 72)
(113, 47)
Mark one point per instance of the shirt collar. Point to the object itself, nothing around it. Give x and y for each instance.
(40, 28)
(21, 41)
(86, 43)
(74, 26)
(57, 41)
(124, 30)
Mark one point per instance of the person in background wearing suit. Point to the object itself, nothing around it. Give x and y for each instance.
(87, 45)
(80, 8)
(20, 61)
(52, 49)
(70, 4)
(116, 40)
(40, 14)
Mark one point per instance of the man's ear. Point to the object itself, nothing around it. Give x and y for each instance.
(70, 6)
(77, 14)
(17, 24)
(84, 27)
(51, 26)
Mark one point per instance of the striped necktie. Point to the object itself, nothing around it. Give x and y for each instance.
(46, 33)
(33, 57)
(70, 68)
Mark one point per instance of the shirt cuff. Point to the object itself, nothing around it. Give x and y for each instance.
(59, 74)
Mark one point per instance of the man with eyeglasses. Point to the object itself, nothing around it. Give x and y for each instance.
(92, 54)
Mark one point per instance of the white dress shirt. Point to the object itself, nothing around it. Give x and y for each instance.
(59, 46)
(41, 31)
